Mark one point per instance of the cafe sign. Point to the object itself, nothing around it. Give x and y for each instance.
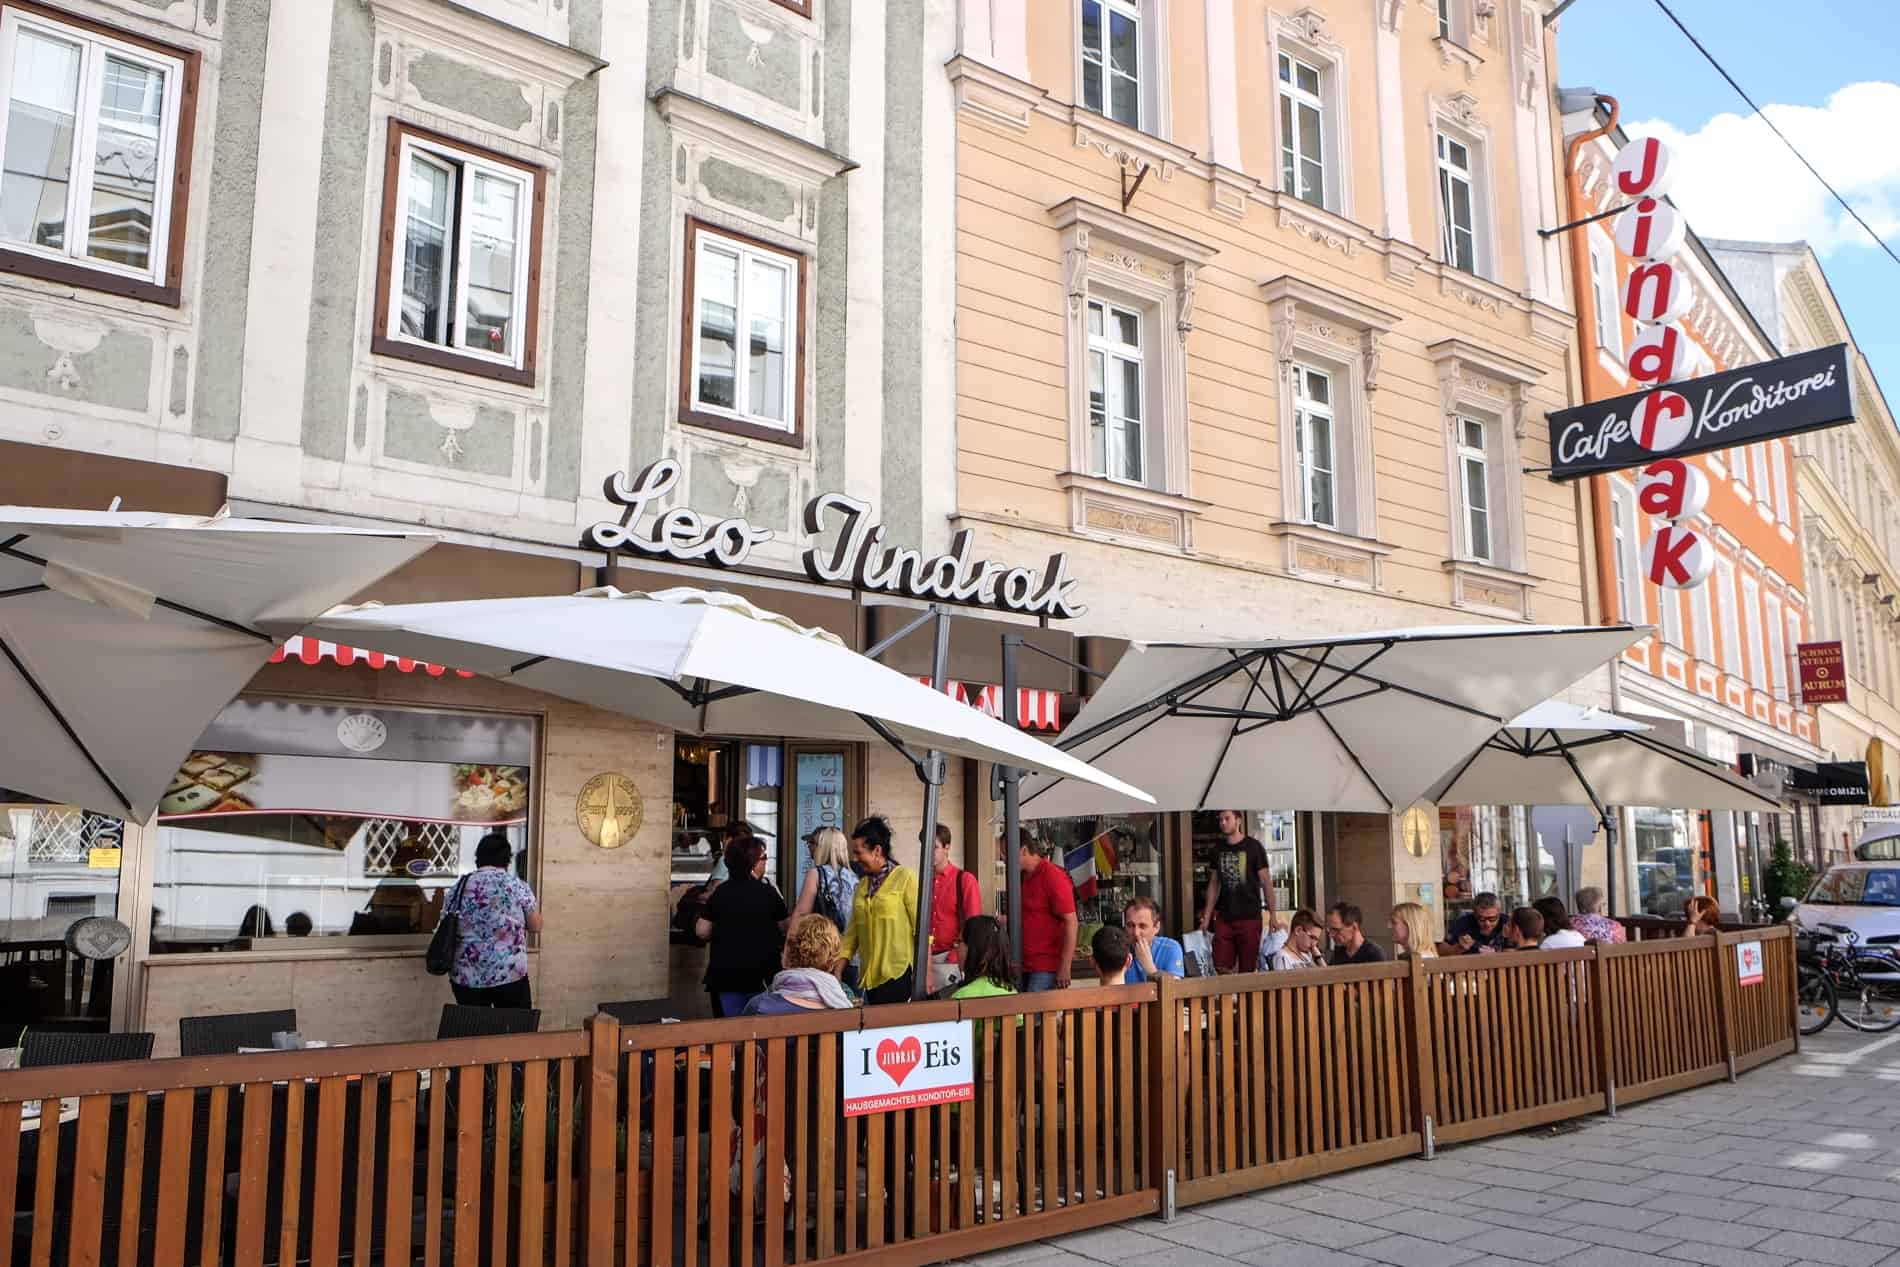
(908, 1067)
(859, 557)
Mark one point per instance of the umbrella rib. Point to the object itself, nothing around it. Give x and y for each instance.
(889, 736)
(1137, 731)
(59, 717)
(1476, 752)
(526, 664)
(1596, 803)
(1167, 699)
(1347, 749)
(1711, 768)
(1394, 686)
(8, 549)
(22, 590)
(1213, 774)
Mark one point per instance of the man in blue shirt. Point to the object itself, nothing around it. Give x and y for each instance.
(1154, 955)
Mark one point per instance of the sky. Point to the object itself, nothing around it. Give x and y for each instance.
(1826, 71)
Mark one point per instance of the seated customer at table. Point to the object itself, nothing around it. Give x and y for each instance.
(983, 954)
(1524, 930)
(1302, 945)
(808, 982)
(1479, 930)
(1112, 955)
(1343, 929)
(1154, 954)
(1558, 935)
(1592, 922)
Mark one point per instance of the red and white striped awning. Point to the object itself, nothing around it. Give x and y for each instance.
(311, 651)
(1035, 709)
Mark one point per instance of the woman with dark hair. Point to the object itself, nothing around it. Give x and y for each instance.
(496, 911)
(983, 953)
(743, 920)
(882, 933)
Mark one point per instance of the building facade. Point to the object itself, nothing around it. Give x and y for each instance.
(1848, 482)
(1253, 321)
(1718, 674)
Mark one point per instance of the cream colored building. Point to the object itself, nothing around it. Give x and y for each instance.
(1253, 320)
(1848, 479)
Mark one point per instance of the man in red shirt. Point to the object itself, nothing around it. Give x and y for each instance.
(1049, 921)
(953, 899)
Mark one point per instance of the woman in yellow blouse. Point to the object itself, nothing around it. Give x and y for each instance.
(883, 928)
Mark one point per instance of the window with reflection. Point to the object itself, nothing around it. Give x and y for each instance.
(296, 822)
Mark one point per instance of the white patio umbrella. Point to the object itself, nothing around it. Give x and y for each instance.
(699, 662)
(122, 634)
(1362, 723)
(1560, 754)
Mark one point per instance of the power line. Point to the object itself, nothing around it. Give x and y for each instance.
(1720, 70)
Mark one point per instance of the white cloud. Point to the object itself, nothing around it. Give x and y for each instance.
(1738, 181)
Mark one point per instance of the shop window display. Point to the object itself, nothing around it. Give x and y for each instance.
(1277, 831)
(1665, 861)
(58, 864)
(302, 820)
(1492, 849)
(1111, 859)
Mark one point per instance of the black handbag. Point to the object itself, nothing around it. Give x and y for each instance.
(448, 935)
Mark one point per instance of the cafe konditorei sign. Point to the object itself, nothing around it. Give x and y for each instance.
(859, 558)
(1803, 392)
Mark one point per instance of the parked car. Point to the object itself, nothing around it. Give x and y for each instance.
(1865, 898)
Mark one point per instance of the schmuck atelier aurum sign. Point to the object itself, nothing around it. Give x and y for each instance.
(1669, 419)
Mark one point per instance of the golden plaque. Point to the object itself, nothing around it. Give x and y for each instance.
(1418, 829)
(609, 810)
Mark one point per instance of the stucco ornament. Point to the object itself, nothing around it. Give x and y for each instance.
(454, 417)
(760, 36)
(744, 477)
(69, 337)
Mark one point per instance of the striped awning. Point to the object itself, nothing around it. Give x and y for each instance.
(1035, 709)
(312, 651)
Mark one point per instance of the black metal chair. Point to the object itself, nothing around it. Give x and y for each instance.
(482, 1022)
(224, 1034)
(52, 1047)
(640, 1011)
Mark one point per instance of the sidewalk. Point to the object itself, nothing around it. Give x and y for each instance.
(1799, 1162)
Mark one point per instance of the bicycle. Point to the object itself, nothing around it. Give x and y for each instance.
(1828, 984)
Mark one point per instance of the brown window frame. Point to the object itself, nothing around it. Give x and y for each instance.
(381, 343)
(72, 272)
(801, 7)
(691, 416)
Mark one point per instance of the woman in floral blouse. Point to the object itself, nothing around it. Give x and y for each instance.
(497, 911)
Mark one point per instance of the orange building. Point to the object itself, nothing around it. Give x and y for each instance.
(1719, 673)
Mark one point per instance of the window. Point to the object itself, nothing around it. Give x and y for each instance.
(1111, 59)
(1758, 453)
(1457, 204)
(1794, 629)
(462, 227)
(1116, 432)
(1302, 131)
(1778, 453)
(1624, 545)
(1704, 627)
(1444, 19)
(1475, 481)
(742, 367)
(1731, 622)
(1315, 455)
(96, 157)
(1751, 621)
(1669, 602)
(1603, 295)
(1777, 650)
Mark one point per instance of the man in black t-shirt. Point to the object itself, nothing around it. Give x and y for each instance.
(1238, 886)
(1349, 939)
(1478, 931)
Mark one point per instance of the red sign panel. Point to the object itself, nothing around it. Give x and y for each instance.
(1823, 673)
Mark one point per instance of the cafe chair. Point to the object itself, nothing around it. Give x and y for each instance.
(482, 1022)
(225, 1034)
(42, 1048)
(640, 1011)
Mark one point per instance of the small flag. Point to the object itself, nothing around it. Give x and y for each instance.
(1106, 863)
(1080, 863)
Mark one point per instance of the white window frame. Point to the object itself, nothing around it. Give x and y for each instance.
(1731, 617)
(1779, 460)
(1132, 10)
(1669, 611)
(1305, 411)
(1703, 624)
(94, 46)
(708, 238)
(1626, 549)
(1447, 28)
(1468, 456)
(1751, 626)
(1758, 456)
(1114, 353)
(1793, 616)
(1292, 98)
(1603, 294)
(1777, 649)
(441, 153)
(1447, 171)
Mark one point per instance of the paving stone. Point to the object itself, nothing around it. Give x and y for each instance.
(1110, 1244)
(1824, 1249)
(1700, 1206)
(1726, 1256)
(1542, 1203)
(1034, 1254)
(1809, 1199)
(1325, 1230)
(1608, 1256)
(1819, 1222)
(1215, 1236)
(1415, 1251)
(1689, 1227)
(1249, 1211)
(1523, 1246)
(1433, 1225)
(1878, 1232)
(1600, 1214)
(1344, 1205)
(1299, 1256)
(1773, 1176)
(1649, 1242)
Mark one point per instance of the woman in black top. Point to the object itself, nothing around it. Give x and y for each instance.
(743, 920)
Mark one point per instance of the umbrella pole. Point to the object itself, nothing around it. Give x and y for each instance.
(1012, 814)
(932, 775)
(1606, 819)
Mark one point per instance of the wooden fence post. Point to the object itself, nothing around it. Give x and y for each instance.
(1600, 1000)
(1164, 1063)
(1725, 1005)
(1424, 1072)
(599, 1155)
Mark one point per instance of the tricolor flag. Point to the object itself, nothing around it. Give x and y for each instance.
(1080, 862)
(1106, 862)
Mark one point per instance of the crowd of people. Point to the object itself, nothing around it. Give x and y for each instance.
(852, 933)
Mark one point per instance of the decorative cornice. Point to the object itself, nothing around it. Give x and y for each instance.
(1452, 53)
(1319, 226)
(464, 30)
(1163, 244)
(787, 155)
(1129, 147)
(1507, 369)
(1319, 301)
(987, 94)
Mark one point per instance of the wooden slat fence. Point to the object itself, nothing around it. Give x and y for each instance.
(725, 1142)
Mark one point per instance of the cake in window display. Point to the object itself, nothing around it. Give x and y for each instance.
(1456, 847)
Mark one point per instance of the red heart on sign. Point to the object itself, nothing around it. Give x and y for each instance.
(898, 1059)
